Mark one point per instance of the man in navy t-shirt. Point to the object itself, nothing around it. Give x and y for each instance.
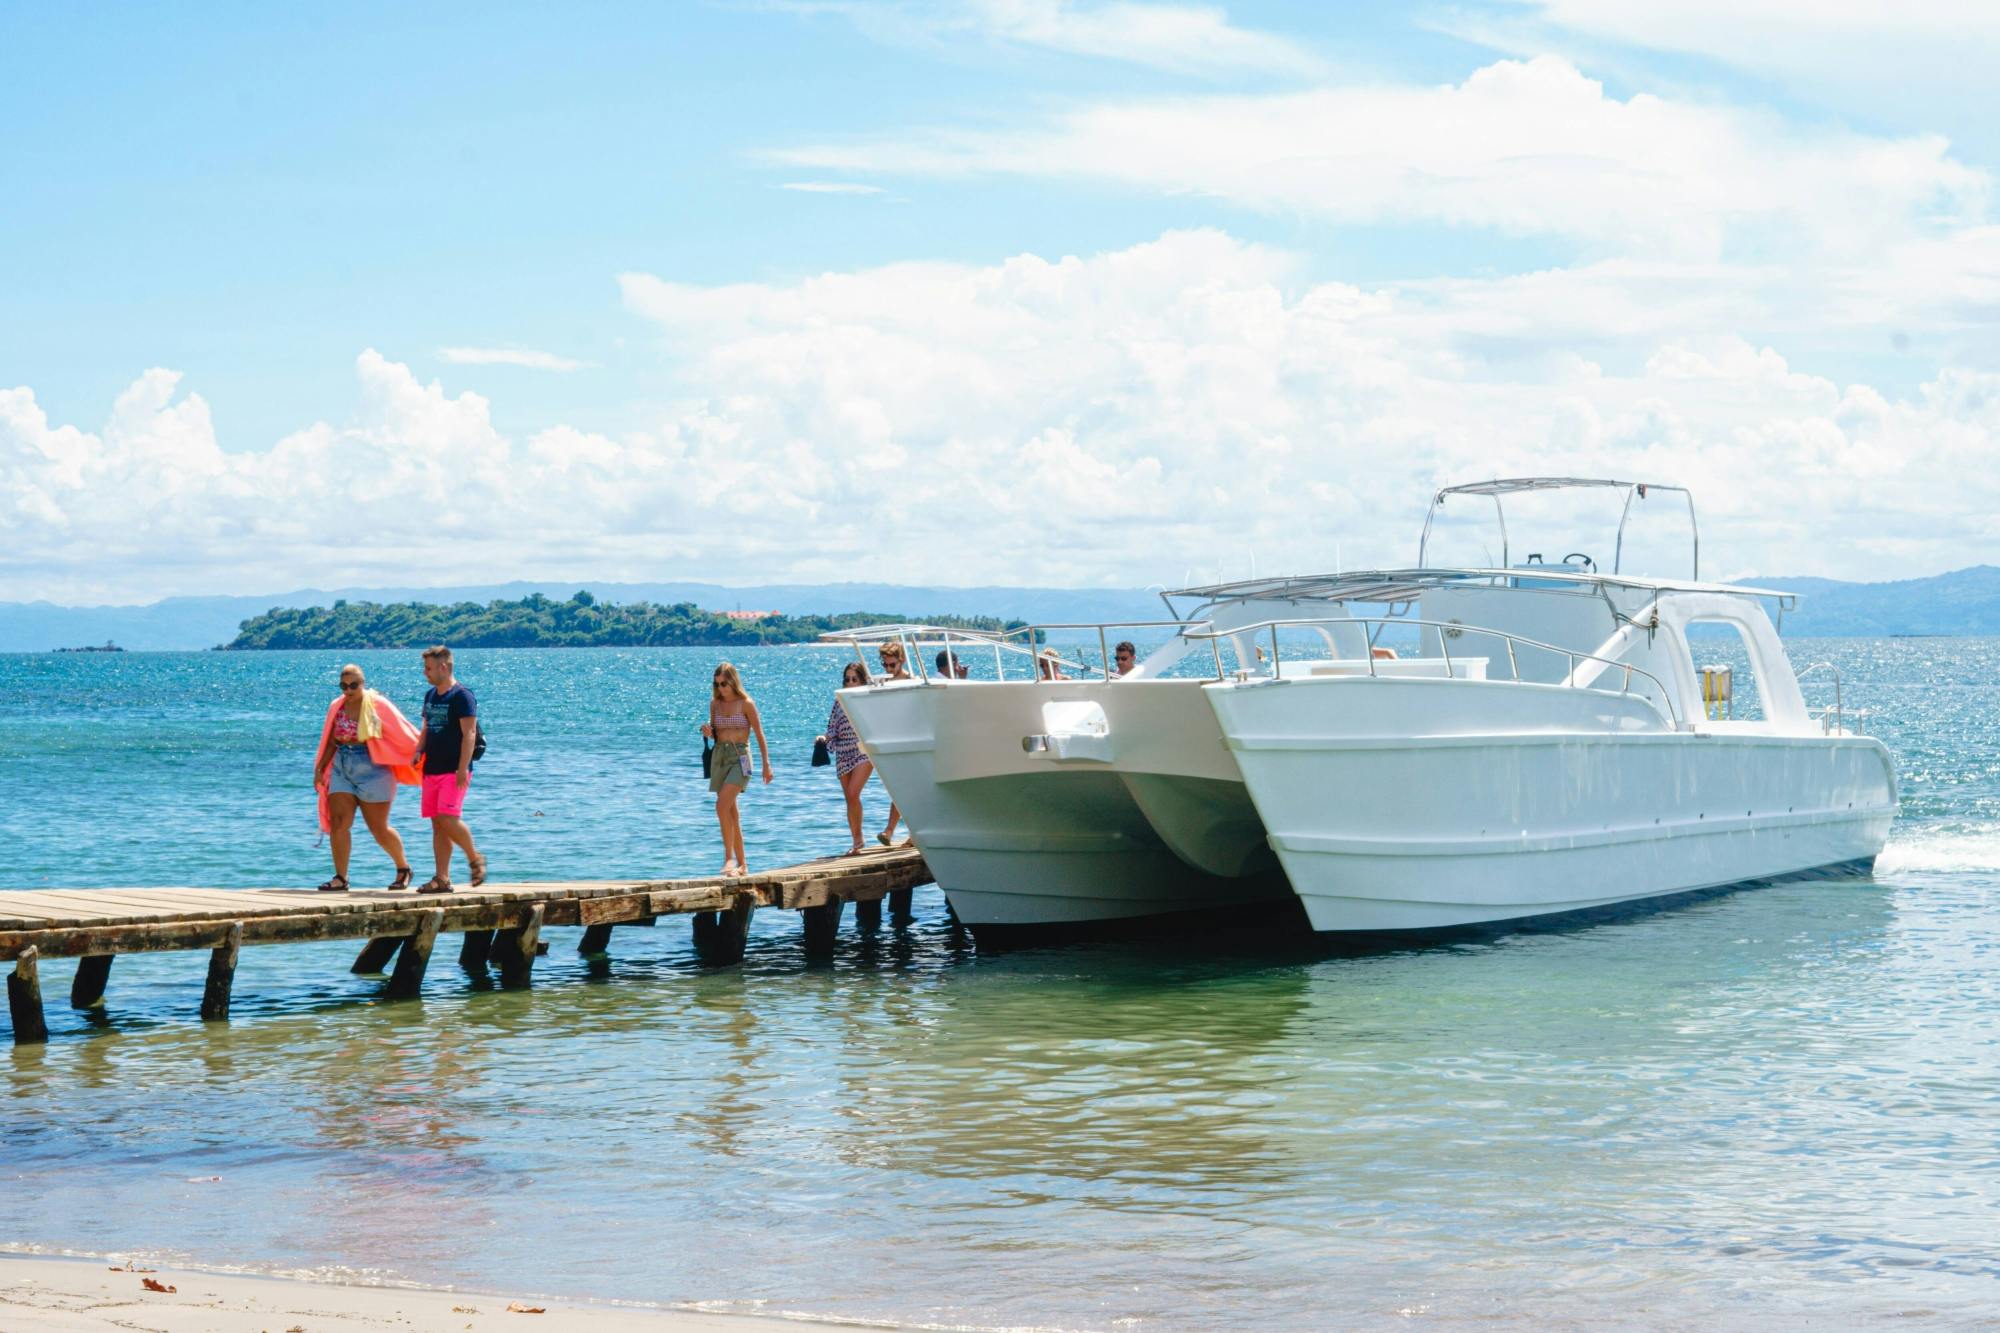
(451, 730)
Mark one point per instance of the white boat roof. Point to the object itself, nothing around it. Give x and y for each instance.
(1405, 585)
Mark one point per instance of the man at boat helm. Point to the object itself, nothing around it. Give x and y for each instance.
(949, 667)
(1124, 656)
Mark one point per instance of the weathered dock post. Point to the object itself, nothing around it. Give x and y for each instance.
(24, 999)
(822, 928)
(514, 949)
(221, 974)
(902, 905)
(719, 937)
(596, 940)
(93, 974)
(474, 949)
(868, 914)
(415, 955)
(375, 955)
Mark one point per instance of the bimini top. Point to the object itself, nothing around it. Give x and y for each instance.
(1494, 490)
(1408, 585)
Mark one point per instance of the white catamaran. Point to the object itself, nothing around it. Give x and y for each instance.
(1403, 750)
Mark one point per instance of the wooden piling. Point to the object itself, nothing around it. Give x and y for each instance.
(596, 940)
(375, 955)
(221, 974)
(514, 949)
(868, 915)
(93, 974)
(474, 950)
(719, 937)
(902, 904)
(415, 956)
(24, 1000)
(821, 927)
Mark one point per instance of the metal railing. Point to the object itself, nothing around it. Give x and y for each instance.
(1831, 720)
(1444, 628)
(1029, 642)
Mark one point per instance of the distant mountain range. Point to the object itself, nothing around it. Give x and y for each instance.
(1964, 602)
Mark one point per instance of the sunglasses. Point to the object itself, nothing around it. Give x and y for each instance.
(350, 684)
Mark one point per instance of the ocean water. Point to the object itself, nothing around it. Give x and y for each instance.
(1776, 1104)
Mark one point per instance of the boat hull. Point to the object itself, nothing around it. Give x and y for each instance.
(1413, 805)
(1020, 838)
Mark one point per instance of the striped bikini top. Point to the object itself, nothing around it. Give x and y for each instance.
(736, 721)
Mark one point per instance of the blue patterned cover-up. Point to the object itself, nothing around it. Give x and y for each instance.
(840, 738)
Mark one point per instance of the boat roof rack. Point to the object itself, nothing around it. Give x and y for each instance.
(1503, 486)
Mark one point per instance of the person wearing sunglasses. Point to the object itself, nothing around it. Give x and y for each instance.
(895, 666)
(732, 721)
(1124, 657)
(851, 765)
(367, 748)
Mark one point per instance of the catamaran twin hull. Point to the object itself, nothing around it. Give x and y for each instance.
(1063, 834)
(1390, 804)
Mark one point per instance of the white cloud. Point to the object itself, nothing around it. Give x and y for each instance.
(830, 187)
(1181, 38)
(1522, 147)
(1118, 418)
(508, 356)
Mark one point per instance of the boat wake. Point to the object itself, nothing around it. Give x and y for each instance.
(1942, 849)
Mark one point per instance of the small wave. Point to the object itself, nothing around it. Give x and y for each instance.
(1942, 850)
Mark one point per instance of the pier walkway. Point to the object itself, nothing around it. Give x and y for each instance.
(501, 923)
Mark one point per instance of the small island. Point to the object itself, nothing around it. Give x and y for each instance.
(537, 621)
(106, 647)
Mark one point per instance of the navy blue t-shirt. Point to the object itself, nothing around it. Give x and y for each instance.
(444, 739)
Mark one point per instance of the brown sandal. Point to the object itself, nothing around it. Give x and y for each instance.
(478, 864)
(402, 879)
(435, 885)
(338, 884)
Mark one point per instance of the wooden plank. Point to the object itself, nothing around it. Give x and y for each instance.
(594, 912)
(93, 974)
(69, 942)
(221, 974)
(24, 1000)
(415, 956)
(814, 892)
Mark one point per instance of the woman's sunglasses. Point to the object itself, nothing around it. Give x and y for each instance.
(350, 684)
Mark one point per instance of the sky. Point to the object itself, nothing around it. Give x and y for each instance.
(1053, 292)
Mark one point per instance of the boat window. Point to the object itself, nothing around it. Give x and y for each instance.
(1731, 694)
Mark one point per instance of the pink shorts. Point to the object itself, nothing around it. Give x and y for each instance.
(443, 795)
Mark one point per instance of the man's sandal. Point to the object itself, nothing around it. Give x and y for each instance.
(402, 879)
(478, 864)
(434, 885)
(338, 884)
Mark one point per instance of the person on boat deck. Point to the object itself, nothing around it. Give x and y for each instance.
(366, 748)
(1049, 666)
(451, 734)
(1124, 657)
(732, 721)
(895, 666)
(949, 667)
(851, 766)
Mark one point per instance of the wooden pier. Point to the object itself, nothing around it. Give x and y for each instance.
(501, 924)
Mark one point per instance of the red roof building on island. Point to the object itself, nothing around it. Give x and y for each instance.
(747, 615)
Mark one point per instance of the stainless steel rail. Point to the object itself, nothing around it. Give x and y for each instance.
(1215, 638)
(1838, 713)
(1029, 641)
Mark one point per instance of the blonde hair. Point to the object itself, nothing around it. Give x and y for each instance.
(440, 652)
(356, 669)
(733, 680)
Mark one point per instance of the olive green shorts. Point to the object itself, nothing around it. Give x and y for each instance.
(729, 766)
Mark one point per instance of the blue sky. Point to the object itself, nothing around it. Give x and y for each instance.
(1261, 275)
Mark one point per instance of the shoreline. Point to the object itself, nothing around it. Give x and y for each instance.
(85, 1294)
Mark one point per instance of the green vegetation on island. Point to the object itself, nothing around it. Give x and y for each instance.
(537, 621)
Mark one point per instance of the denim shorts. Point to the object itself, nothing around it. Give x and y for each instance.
(356, 774)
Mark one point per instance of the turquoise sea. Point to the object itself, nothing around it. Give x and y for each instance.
(1777, 1104)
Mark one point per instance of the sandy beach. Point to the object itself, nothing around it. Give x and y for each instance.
(39, 1292)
